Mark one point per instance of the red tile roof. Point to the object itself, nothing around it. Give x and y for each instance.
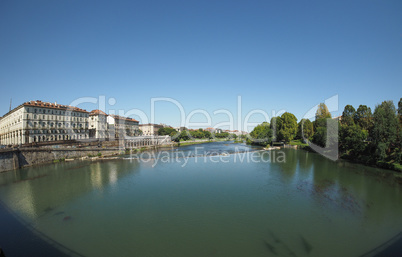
(150, 124)
(122, 118)
(39, 103)
(97, 112)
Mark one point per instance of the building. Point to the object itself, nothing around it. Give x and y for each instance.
(180, 129)
(121, 127)
(98, 125)
(214, 130)
(150, 129)
(37, 121)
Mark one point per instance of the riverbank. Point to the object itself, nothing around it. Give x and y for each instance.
(383, 165)
(201, 141)
(193, 142)
(394, 173)
(25, 157)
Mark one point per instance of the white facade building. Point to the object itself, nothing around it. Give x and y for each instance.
(98, 124)
(150, 129)
(121, 127)
(38, 121)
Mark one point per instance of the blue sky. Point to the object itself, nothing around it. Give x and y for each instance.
(276, 55)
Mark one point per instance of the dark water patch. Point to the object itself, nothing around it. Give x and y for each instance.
(270, 247)
(20, 239)
(278, 246)
(328, 193)
(28, 179)
(79, 166)
(306, 245)
(276, 239)
(48, 209)
(67, 218)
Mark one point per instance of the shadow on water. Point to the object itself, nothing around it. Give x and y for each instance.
(20, 239)
(278, 247)
(31, 186)
(66, 182)
(390, 248)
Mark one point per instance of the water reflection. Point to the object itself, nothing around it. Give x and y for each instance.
(288, 167)
(35, 191)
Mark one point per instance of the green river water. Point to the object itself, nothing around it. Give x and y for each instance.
(213, 199)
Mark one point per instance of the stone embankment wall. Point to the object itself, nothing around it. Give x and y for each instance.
(18, 158)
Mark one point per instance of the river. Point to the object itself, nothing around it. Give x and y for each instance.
(215, 199)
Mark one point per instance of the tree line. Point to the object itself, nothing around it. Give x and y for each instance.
(373, 138)
(186, 135)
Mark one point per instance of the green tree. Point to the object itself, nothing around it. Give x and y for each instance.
(166, 131)
(352, 141)
(276, 123)
(305, 129)
(322, 112)
(348, 115)
(398, 155)
(321, 116)
(326, 134)
(384, 133)
(363, 117)
(184, 135)
(207, 134)
(319, 137)
(288, 127)
(197, 134)
(325, 129)
(222, 135)
(261, 135)
(400, 111)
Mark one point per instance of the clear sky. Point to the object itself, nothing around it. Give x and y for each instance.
(276, 55)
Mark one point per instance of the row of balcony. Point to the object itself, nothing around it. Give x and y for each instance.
(58, 131)
(55, 127)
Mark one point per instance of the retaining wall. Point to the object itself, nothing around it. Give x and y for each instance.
(18, 158)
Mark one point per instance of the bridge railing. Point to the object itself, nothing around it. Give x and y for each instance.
(141, 141)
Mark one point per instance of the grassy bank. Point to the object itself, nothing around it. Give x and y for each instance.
(298, 142)
(185, 143)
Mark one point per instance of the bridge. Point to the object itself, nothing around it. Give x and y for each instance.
(143, 141)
